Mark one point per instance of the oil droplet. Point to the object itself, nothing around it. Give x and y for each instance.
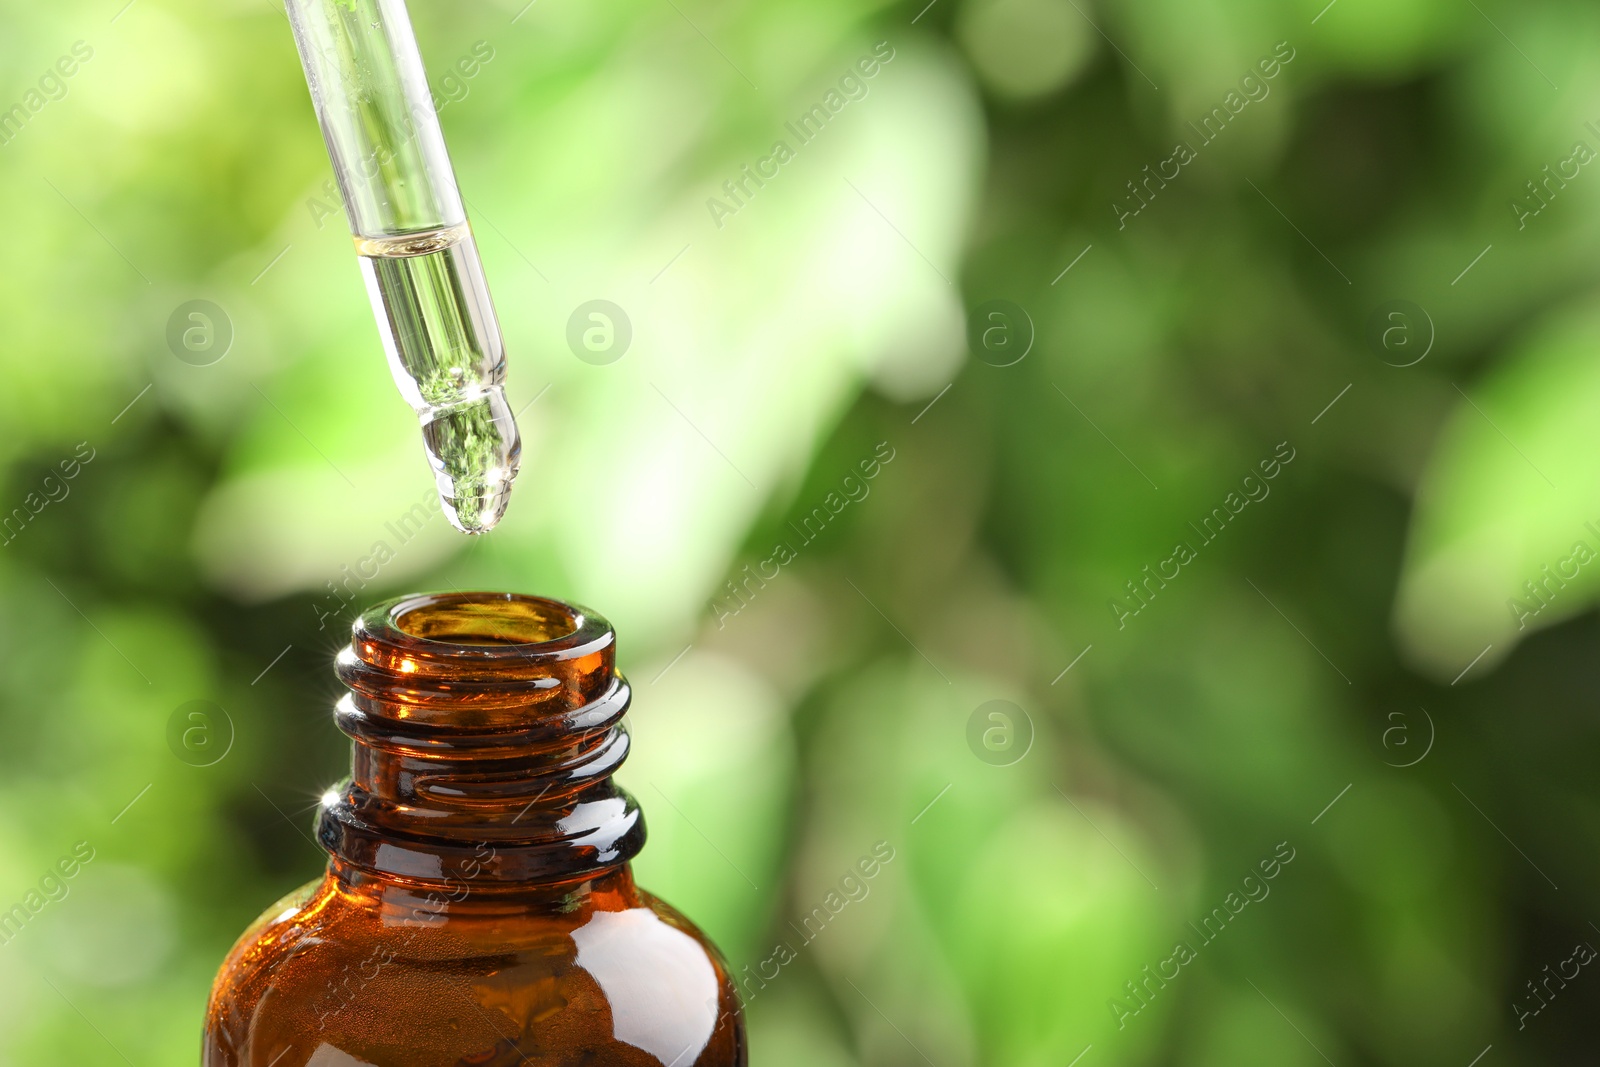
(445, 351)
(475, 451)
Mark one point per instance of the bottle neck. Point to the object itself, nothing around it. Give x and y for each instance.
(487, 728)
(402, 902)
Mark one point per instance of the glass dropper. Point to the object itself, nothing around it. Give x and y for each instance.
(421, 264)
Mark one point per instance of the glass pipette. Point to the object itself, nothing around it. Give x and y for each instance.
(423, 273)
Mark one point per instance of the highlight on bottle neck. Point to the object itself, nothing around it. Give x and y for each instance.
(486, 727)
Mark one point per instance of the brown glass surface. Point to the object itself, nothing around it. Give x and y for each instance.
(478, 907)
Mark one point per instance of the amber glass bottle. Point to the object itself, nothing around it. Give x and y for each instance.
(478, 907)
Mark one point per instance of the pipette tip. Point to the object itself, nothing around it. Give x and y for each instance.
(475, 451)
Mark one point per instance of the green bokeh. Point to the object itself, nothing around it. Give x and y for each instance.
(1341, 666)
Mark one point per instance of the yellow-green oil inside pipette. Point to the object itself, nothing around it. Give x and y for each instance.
(423, 273)
(443, 342)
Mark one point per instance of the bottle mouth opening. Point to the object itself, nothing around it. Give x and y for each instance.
(429, 640)
(486, 620)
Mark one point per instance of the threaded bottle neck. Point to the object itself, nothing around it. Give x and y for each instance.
(486, 727)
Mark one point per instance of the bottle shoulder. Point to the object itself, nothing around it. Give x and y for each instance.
(622, 977)
(273, 932)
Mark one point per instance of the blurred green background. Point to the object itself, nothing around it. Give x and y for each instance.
(1073, 278)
